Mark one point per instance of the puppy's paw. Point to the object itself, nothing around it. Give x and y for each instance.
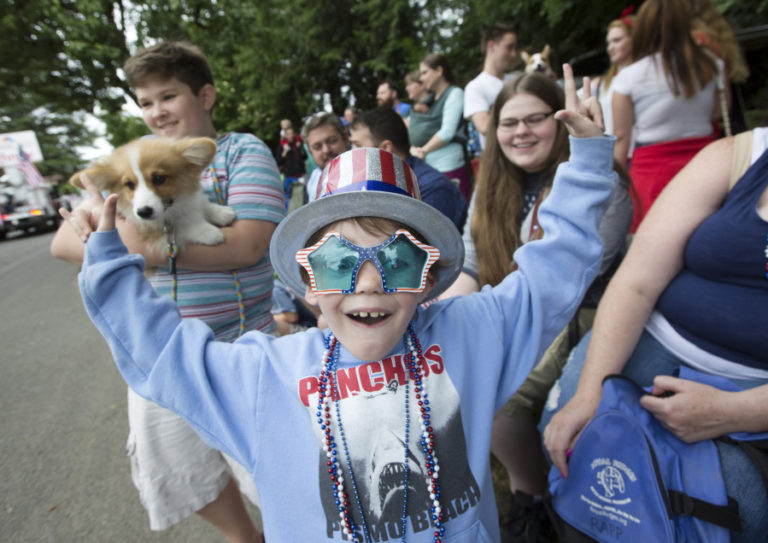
(204, 233)
(220, 215)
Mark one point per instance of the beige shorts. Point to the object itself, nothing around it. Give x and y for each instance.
(528, 401)
(175, 472)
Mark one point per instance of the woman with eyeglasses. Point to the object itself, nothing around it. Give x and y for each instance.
(524, 147)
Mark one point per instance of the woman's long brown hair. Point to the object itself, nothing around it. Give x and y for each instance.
(500, 184)
(664, 26)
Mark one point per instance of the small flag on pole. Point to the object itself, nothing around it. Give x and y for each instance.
(30, 171)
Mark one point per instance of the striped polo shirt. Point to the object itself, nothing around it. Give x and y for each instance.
(251, 185)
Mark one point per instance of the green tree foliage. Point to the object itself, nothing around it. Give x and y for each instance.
(272, 59)
(57, 62)
(278, 59)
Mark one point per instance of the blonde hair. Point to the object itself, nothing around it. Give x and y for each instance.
(625, 24)
(712, 30)
(413, 77)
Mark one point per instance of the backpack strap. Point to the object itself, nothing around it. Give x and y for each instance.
(757, 451)
(726, 516)
(742, 156)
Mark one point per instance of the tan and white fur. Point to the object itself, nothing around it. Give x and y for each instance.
(538, 62)
(158, 184)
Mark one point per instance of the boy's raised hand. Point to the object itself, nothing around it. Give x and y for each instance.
(92, 214)
(583, 116)
(109, 210)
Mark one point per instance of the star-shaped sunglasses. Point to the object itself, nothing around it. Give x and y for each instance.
(334, 262)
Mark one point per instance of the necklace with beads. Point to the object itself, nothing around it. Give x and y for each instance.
(328, 410)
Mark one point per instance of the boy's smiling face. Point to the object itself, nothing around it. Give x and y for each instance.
(370, 322)
(172, 110)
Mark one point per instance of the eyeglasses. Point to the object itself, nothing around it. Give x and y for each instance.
(334, 262)
(530, 121)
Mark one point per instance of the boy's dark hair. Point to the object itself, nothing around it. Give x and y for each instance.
(385, 124)
(184, 61)
(391, 84)
(323, 119)
(494, 33)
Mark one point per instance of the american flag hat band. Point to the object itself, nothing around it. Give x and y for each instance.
(367, 169)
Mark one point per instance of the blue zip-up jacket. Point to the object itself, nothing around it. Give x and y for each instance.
(256, 399)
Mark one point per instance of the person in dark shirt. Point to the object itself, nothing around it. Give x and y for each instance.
(385, 129)
(290, 157)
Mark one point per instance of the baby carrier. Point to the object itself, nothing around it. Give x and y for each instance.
(631, 480)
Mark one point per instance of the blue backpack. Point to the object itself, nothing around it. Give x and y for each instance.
(631, 480)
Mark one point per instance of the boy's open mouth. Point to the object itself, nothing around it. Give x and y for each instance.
(364, 317)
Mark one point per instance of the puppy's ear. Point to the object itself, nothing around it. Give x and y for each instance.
(198, 151)
(103, 176)
(75, 180)
(525, 56)
(545, 51)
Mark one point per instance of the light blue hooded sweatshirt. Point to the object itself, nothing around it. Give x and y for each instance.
(256, 399)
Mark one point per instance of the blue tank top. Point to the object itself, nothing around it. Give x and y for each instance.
(719, 301)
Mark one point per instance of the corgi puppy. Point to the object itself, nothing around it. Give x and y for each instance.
(538, 62)
(158, 183)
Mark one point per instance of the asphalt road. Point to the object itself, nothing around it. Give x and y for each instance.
(64, 475)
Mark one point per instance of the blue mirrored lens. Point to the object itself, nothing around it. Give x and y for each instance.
(403, 263)
(333, 265)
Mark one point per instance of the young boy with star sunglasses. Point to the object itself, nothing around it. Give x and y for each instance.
(377, 429)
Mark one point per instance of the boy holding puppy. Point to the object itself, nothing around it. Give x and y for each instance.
(379, 428)
(175, 472)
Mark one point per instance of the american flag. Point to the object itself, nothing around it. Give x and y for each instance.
(30, 171)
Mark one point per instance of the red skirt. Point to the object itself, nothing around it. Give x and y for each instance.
(653, 166)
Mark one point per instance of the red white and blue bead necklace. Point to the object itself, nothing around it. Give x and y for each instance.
(329, 394)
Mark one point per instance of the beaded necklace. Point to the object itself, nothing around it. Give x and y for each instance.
(329, 394)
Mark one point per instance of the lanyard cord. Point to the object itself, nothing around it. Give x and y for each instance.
(173, 250)
(235, 277)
